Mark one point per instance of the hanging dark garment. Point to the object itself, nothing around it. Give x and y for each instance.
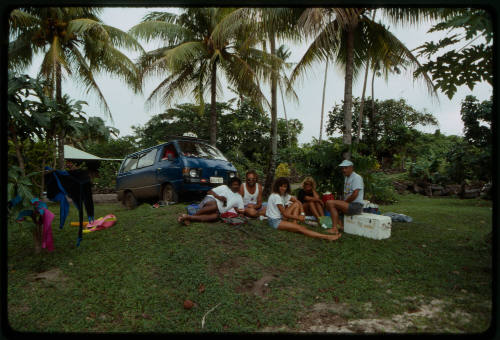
(78, 186)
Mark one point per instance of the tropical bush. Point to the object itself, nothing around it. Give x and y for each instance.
(107, 175)
(282, 170)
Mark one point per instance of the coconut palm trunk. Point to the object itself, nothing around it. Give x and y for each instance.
(323, 103)
(274, 121)
(347, 137)
(60, 133)
(213, 108)
(362, 104)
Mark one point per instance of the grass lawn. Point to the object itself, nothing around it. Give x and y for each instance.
(432, 275)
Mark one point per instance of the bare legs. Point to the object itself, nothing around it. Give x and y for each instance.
(296, 209)
(209, 213)
(334, 206)
(313, 208)
(296, 228)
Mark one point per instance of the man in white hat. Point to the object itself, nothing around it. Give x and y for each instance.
(352, 203)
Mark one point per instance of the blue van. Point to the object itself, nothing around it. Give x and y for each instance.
(163, 172)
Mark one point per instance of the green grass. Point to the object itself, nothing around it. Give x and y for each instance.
(135, 276)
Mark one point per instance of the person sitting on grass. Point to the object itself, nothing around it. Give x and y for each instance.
(251, 191)
(352, 203)
(312, 203)
(217, 201)
(276, 212)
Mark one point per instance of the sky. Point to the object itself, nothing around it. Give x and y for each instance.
(128, 109)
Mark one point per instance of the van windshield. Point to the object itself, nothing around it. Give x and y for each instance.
(201, 150)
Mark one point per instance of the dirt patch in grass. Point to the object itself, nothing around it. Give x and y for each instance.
(259, 287)
(229, 266)
(333, 318)
(53, 275)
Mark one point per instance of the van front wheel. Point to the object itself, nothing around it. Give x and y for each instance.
(129, 201)
(169, 194)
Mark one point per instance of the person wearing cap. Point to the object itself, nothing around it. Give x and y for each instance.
(352, 203)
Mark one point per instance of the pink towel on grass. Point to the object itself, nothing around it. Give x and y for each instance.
(47, 241)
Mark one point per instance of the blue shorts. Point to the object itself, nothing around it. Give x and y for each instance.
(274, 222)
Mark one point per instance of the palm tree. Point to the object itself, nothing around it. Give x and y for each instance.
(283, 54)
(197, 51)
(351, 38)
(74, 42)
(268, 25)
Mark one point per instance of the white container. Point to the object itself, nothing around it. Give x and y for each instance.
(373, 226)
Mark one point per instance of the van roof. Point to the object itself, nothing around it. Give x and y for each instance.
(170, 139)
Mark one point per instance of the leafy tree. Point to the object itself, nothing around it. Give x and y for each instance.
(351, 38)
(196, 52)
(470, 60)
(390, 131)
(474, 116)
(113, 148)
(72, 40)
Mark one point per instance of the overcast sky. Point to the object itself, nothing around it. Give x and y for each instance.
(128, 109)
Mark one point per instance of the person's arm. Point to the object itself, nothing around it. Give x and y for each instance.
(352, 197)
(318, 199)
(286, 215)
(220, 198)
(259, 197)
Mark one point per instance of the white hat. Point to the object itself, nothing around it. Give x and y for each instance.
(346, 163)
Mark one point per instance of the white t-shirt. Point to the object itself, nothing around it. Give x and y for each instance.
(234, 200)
(352, 183)
(248, 197)
(272, 210)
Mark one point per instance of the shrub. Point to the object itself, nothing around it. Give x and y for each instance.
(282, 170)
(379, 188)
(107, 175)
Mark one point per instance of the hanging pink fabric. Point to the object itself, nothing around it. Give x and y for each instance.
(47, 241)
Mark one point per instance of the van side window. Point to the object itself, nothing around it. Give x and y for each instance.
(129, 164)
(168, 150)
(147, 159)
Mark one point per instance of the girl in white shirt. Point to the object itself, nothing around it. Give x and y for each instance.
(276, 212)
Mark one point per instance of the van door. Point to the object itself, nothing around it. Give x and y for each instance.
(169, 167)
(124, 180)
(144, 176)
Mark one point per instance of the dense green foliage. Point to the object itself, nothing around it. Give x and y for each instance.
(463, 63)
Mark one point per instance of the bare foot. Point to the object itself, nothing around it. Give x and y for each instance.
(332, 230)
(185, 219)
(179, 219)
(334, 237)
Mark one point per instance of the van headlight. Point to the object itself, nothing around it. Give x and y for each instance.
(232, 174)
(193, 173)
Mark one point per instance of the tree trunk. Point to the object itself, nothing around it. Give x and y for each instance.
(37, 235)
(274, 122)
(372, 116)
(60, 135)
(323, 102)
(347, 137)
(213, 108)
(19, 154)
(361, 106)
(286, 118)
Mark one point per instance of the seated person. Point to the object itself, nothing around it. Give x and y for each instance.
(218, 200)
(352, 203)
(312, 203)
(277, 213)
(251, 191)
(168, 150)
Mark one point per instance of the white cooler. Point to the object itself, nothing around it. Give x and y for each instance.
(368, 225)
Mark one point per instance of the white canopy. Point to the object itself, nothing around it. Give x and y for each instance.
(74, 153)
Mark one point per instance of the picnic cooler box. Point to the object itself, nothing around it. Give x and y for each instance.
(368, 225)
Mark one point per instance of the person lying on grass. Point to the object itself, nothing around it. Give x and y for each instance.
(276, 212)
(251, 191)
(352, 203)
(218, 200)
(312, 203)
